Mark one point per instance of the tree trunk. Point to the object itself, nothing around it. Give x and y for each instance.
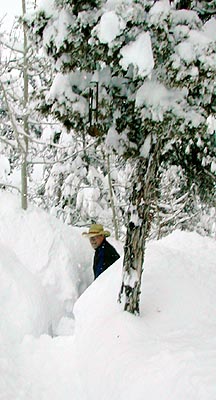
(24, 184)
(139, 223)
(112, 203)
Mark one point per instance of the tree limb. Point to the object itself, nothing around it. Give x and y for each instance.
(12, 119)
(5, 185)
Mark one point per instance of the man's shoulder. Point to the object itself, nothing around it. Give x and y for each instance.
(111, 248)
(108, 244)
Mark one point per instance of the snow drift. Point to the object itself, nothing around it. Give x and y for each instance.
(47, 249)
(168, 352)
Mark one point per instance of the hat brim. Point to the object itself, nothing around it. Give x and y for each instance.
(93, 234)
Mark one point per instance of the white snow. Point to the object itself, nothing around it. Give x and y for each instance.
(48, 249)
(211, 122)
(112, 138)
(210, 28)
(23, 305)
(139, 53)
(4, 168)
(155, 96)
(109, 27)
(46, 5)
(146, 147)
(213, 167)
(185, 51)
(187, 17)
(168, 352)
(62, 88)
(161, 8)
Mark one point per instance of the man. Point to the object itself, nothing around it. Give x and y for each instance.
(105, 253)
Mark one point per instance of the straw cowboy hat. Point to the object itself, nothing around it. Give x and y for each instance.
(96, 230)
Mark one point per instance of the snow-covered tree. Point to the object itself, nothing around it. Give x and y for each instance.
(82, 186)
(205, 9)
(23, 82)
(150, 69)
(180, 208)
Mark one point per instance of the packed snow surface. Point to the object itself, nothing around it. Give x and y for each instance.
(166, 353)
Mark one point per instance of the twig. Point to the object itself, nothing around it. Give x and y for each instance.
(4, 185)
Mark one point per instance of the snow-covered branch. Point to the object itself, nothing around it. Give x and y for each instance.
(9, 142)
(5, 185)
(13, 121)
(63, 160)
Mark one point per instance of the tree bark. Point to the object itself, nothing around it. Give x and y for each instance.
(24, 182)
(112, 203)
(139, 223)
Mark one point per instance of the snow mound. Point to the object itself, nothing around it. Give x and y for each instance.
(158, 354)
(48, 249)
(23, 306)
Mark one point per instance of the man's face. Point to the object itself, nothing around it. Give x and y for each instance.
(96, 241)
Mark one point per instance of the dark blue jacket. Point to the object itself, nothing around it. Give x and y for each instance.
(105, 255)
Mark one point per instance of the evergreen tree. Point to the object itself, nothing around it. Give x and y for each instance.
(205, 9)
(149, 69)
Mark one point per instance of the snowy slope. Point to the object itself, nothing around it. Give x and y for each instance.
(23, 306)
(168, 353)
(49, 250)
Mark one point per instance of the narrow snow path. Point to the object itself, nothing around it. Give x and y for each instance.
(48, 370)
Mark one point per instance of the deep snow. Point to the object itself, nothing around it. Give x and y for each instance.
(168, 353)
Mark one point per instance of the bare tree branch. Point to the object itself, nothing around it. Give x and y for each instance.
(7, 142)
(16, 133)
(63, 159)
(5, 185)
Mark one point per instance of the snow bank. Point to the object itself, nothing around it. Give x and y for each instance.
(50, 250)
(23, 306)
(165, 353)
